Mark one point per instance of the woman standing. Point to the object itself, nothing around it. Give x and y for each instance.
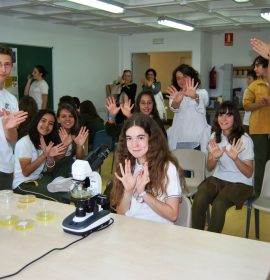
(38, 89)
(230, 155)
(189, 106)
(146, 183)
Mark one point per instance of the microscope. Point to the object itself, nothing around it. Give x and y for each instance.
(89, 215)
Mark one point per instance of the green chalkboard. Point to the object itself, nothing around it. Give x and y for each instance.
(27, 58)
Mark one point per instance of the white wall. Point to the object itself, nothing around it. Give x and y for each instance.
(173, 41)
(240, 54)
(82, 64)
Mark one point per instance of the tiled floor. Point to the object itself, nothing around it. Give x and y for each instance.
(235, 223)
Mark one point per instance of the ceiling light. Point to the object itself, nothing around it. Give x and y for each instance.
(100, 5)
(265, 13)
(174, 23)
(241, 1)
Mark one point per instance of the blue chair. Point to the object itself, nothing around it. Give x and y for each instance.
(102, 139)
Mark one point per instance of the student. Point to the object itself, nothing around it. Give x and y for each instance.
(146, 183)
(91, 119)
(262, 49)
(29, 105)
(71, 134)
(39, 88)
(150, 84)
(230, 155)
(257, 100)
(189, 106)
(10, 118)
(251, 77)
(35, 157)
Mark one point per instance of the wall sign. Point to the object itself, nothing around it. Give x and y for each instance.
(228, 39)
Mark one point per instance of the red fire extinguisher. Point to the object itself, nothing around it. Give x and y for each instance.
(213, 79)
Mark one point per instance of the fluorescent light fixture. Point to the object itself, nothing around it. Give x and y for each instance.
(241, 1)
(100, 5)
(174, 23)
(265, 13)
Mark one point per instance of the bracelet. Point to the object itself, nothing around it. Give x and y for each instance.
(50, 163)
(197, 97)
(111, 117)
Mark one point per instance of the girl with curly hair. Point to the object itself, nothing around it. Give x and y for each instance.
(230, 155)
(147, 183)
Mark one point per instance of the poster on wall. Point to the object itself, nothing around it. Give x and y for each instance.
(228, 39)
(11, 83)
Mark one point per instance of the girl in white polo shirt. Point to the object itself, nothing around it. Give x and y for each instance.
(230, 155)
(147, 182)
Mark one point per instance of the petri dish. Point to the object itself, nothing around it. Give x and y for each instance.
(8, 220)
(6, 196)
(28, 198)
(45, 216)
(24, 224)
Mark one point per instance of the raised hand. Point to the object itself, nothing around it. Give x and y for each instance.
(81, 137)
(236, 148)
(143, 179)
(44, 147)
(260, 47)
(66, 138)
(126, 107)
(214, 149)
(128, 179)
(12, 120)
(57, 150)
(111, 106)
(174, 94)
(190, 88)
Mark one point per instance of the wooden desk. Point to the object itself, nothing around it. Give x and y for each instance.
(129, 249)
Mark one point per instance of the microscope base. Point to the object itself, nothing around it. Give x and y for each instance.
(89, 224)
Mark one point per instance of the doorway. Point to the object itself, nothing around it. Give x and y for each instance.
(163, 62)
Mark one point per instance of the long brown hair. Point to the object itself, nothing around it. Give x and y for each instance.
(158, 157)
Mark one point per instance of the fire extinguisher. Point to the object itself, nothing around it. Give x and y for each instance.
(213, 79)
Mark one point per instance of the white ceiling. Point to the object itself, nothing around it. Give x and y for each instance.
(141, 16)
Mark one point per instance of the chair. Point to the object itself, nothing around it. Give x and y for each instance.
(261, 203)
(102, 138)
(184, 217)
(193, 162)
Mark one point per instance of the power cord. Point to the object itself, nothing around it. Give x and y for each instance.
(111, 221)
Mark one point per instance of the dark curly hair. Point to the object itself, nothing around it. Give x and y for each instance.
(42, 70)
(228, 107)
(153, 71)
(154, 112)
(187, 71)
(34, 134)
(158, 157)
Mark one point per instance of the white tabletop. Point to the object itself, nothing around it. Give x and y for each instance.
(129, 249)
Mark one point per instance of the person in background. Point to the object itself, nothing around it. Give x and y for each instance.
(91, 119)
(29, 105)
(38, 89)
(147, 182)
(73, 136)
(10, 118)
(262, 49)
(146, 104)
(77, 102)
(35, 157)
(257, 100)
(189, 106)
(251, 77)
(150, 84)
(128, 92)
(231, 156)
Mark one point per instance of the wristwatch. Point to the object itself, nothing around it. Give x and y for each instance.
(140, 197)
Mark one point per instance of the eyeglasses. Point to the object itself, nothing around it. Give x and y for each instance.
(146, 103)
(6, 65)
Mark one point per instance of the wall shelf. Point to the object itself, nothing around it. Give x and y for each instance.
(241, 71)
